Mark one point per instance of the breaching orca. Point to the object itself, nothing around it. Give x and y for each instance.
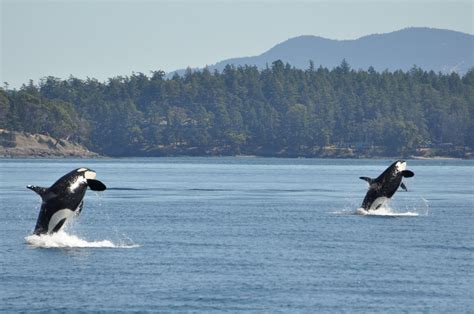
(383, 188)
(63, 199)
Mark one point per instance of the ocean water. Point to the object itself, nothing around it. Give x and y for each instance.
(240, 234)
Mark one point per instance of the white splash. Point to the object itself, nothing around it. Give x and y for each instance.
(385, 211)
(62, 239)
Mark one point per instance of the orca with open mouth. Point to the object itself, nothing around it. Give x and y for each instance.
(385, 185)
(64, 199)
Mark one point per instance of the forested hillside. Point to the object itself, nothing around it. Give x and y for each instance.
(278, 111)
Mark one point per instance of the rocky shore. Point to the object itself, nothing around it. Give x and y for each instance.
(21, 144)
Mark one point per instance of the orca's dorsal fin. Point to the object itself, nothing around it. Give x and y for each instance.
(369, 180)
(408, 173)
(41, 191)
(403, 186)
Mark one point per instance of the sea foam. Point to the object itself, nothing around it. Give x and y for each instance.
(385, 211)
(62, 239)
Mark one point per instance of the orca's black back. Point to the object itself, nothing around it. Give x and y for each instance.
(54, 204)
(385, 185)
(59, 196)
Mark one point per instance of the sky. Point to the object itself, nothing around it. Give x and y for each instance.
(107, 38)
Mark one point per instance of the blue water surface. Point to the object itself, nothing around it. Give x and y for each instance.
(242, 234)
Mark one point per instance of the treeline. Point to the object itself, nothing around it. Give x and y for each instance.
(278, 111)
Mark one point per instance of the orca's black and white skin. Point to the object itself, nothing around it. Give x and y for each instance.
(384, 187)
(64, 199)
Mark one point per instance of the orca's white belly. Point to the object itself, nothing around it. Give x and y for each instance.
(378, 202)
(58, 216)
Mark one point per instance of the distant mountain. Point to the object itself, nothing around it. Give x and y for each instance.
(430, 49)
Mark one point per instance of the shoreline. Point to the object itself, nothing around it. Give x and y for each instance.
(101, 157)
(15, 144)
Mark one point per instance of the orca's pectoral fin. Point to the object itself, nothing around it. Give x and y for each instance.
(38, 189)
(403, 186)
(369, 180)
(59, 225)
(408, 173)
(96, 185)
(79, 208)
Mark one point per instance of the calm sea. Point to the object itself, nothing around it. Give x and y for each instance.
(240, 234)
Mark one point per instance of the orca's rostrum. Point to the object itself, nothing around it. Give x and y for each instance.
(64, 199)
(385, 185)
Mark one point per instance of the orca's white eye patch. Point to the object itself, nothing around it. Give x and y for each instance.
(89, 174)
(401, 165)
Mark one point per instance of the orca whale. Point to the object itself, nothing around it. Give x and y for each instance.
(64, 199)
(385, 185)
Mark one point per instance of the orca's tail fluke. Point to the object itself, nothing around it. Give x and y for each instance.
(41, 191)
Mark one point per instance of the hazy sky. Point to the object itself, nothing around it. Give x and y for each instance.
(106, 38)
